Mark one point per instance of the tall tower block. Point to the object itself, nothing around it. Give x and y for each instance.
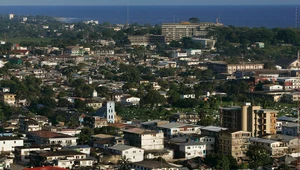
(110, 112)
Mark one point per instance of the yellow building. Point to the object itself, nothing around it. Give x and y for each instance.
(235, 143)
(249, 118)
(8, 98)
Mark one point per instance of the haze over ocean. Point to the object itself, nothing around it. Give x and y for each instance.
(250, 16)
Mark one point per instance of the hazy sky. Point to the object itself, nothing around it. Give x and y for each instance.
(149, 2)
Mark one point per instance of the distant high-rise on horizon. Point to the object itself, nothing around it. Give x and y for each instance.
(176, 31)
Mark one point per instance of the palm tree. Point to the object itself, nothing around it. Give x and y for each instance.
(124, 163)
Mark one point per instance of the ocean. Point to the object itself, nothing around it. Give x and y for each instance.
(249, 16)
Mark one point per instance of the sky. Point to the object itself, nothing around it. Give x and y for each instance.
(148, 2)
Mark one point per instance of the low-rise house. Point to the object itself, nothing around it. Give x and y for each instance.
(130, 100)
(76, 50)
(133, 154)
(47, 137)
(175, 129)
(56, 158)
(8, 98)
(8, 144)
(71, 132)
(95, 121)
(28, 125)
(184, 146)
(290, 141)
(46, 168)
(272, 87)
(276, 148)
(185, 118)
(187, 96)
(152, 165)
(94, 104)
(153, 124)
(22, 152)
(79, 148)
(290, 129)
(5, 162)
(104, 141)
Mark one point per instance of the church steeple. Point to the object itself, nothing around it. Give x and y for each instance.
(95, 94)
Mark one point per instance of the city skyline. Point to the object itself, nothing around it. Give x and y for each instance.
(143, 2)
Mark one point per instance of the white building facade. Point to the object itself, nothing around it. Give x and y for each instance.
(193, 149)
(8, 144)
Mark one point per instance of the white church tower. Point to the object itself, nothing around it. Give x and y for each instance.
(90, 81)
(110, 112)
(94, 94)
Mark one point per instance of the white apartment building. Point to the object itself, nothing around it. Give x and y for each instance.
(209, 143)
(145, 139)
(276, 148)
(175, 129)
(193, 149)
(8, 144)
(133, 154)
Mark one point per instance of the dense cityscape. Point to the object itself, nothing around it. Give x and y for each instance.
(176, 96)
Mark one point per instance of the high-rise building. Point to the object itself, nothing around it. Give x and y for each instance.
(249, 118)
(176, 31)
(235, 143)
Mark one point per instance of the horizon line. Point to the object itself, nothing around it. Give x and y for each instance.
(170, 5)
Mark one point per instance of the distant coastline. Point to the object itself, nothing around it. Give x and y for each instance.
(237, 15)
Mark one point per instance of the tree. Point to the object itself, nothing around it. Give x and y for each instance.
(206, 120)
(79, 104)
(62, 102)
(194, 20)
(283, 167)
(259, 156)
(218, 161)
(48, 91)
(85, 135)
(124, 163)
(153, 97)
(2, 117)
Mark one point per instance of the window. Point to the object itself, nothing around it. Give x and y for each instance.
(134, 152)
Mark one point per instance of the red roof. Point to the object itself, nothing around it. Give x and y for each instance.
(45, 168)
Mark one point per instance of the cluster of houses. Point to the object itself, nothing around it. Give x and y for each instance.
(37, 143)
